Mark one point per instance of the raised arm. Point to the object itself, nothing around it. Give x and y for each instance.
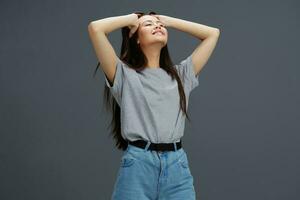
(208, 35)
(98, 31)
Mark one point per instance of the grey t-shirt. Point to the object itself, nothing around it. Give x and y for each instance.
(149, 101)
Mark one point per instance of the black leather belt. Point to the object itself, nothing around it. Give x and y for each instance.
(156, 146)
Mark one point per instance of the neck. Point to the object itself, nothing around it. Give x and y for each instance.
(152, 52)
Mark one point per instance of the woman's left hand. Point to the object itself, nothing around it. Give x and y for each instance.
(164, 19)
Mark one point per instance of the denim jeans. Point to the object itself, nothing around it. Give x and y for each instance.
(153, 175)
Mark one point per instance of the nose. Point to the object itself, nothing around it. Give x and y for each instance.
(157, 26)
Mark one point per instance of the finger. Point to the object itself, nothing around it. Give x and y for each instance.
(130, 34)
(156, 16)
(132, 31)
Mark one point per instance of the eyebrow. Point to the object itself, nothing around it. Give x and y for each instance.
(148, 20)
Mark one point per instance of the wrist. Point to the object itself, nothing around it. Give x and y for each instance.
(170, 21)
(131, 18)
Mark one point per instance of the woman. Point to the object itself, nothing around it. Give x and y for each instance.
(149, 101)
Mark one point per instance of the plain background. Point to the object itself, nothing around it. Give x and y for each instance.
(243, 142)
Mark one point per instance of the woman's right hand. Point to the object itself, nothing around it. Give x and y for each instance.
(135, 25)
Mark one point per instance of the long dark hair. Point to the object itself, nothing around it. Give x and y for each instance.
(133, 56)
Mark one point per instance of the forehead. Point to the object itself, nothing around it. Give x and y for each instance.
(148, 17)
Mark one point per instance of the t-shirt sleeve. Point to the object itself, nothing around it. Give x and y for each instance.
(117, 87)
(187, 74)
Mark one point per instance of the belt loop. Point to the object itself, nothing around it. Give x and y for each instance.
(175, 147)
(147, 145)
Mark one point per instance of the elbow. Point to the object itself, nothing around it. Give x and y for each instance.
(91, 27)
(215, 32)
(94, 28)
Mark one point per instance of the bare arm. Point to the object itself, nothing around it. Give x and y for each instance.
(209, 35)
(98, 31)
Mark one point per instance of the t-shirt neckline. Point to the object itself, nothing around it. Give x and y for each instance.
(152, 69)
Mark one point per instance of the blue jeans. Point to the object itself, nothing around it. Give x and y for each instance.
(153, 175)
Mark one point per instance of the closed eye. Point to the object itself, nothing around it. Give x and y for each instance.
(151, 24)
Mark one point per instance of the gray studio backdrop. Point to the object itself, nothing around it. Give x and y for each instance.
(243, 142)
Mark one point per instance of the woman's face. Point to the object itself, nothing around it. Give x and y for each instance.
(151, 30)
